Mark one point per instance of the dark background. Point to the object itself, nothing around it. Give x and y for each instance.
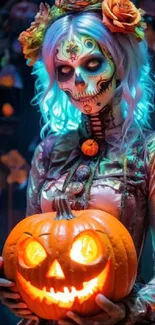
(20, 131)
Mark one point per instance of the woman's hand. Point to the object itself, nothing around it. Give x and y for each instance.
(111, 315)
(10, 297)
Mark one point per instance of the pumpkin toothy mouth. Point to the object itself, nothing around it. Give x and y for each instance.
(66, 298)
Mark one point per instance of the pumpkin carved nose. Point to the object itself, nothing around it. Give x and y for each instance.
(55, 270)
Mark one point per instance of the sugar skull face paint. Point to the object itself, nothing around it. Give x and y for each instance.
(85, 73)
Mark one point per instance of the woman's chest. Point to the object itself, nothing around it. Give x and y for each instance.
(117, 186)
(112, 185)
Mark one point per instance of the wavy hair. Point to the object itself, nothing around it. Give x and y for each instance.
(132, 66)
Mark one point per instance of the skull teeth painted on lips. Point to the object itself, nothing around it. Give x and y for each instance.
(104, 86)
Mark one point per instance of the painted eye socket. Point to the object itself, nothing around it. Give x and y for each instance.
(34, 254)
(93, 64)
(85, 250)
(64, 73)
(65, 69)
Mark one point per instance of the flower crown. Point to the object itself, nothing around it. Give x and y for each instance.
(118, 16)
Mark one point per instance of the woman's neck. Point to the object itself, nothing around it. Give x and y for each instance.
(105, 121)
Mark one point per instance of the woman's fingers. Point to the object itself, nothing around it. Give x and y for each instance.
(31, 317)
(1, 262)
(65, 322)
(112, 309)
(10, 304)
(9, 295)
(22, 312)
(6, 283)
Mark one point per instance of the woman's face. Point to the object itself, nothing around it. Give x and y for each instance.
(85, 73)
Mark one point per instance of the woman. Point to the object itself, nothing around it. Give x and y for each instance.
(93, 83)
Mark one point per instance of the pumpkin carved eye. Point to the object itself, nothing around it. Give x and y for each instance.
(85, 249)
(34, 254)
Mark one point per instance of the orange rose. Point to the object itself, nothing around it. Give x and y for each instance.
(75, 4)
(31, 45)
(122, 16)
(32, 39)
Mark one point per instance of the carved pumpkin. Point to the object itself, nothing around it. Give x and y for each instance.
(61, 261)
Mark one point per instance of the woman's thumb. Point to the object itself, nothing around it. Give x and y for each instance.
(1, 262)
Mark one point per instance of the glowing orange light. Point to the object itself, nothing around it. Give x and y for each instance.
(55, 271)
(66, 297)
(7, 81)
(34, 254)
(7, 109)
(84, 250)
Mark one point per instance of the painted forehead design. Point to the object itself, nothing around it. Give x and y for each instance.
(76, 48)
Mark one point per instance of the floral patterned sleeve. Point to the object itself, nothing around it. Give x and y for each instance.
(141, 305)
(36, 178)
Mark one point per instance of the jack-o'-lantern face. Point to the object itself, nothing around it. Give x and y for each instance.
(64, 260)
(61, 278)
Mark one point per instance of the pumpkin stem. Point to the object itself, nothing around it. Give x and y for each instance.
(63, 208)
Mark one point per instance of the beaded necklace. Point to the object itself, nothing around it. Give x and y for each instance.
(80, 177)
(79, 180)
